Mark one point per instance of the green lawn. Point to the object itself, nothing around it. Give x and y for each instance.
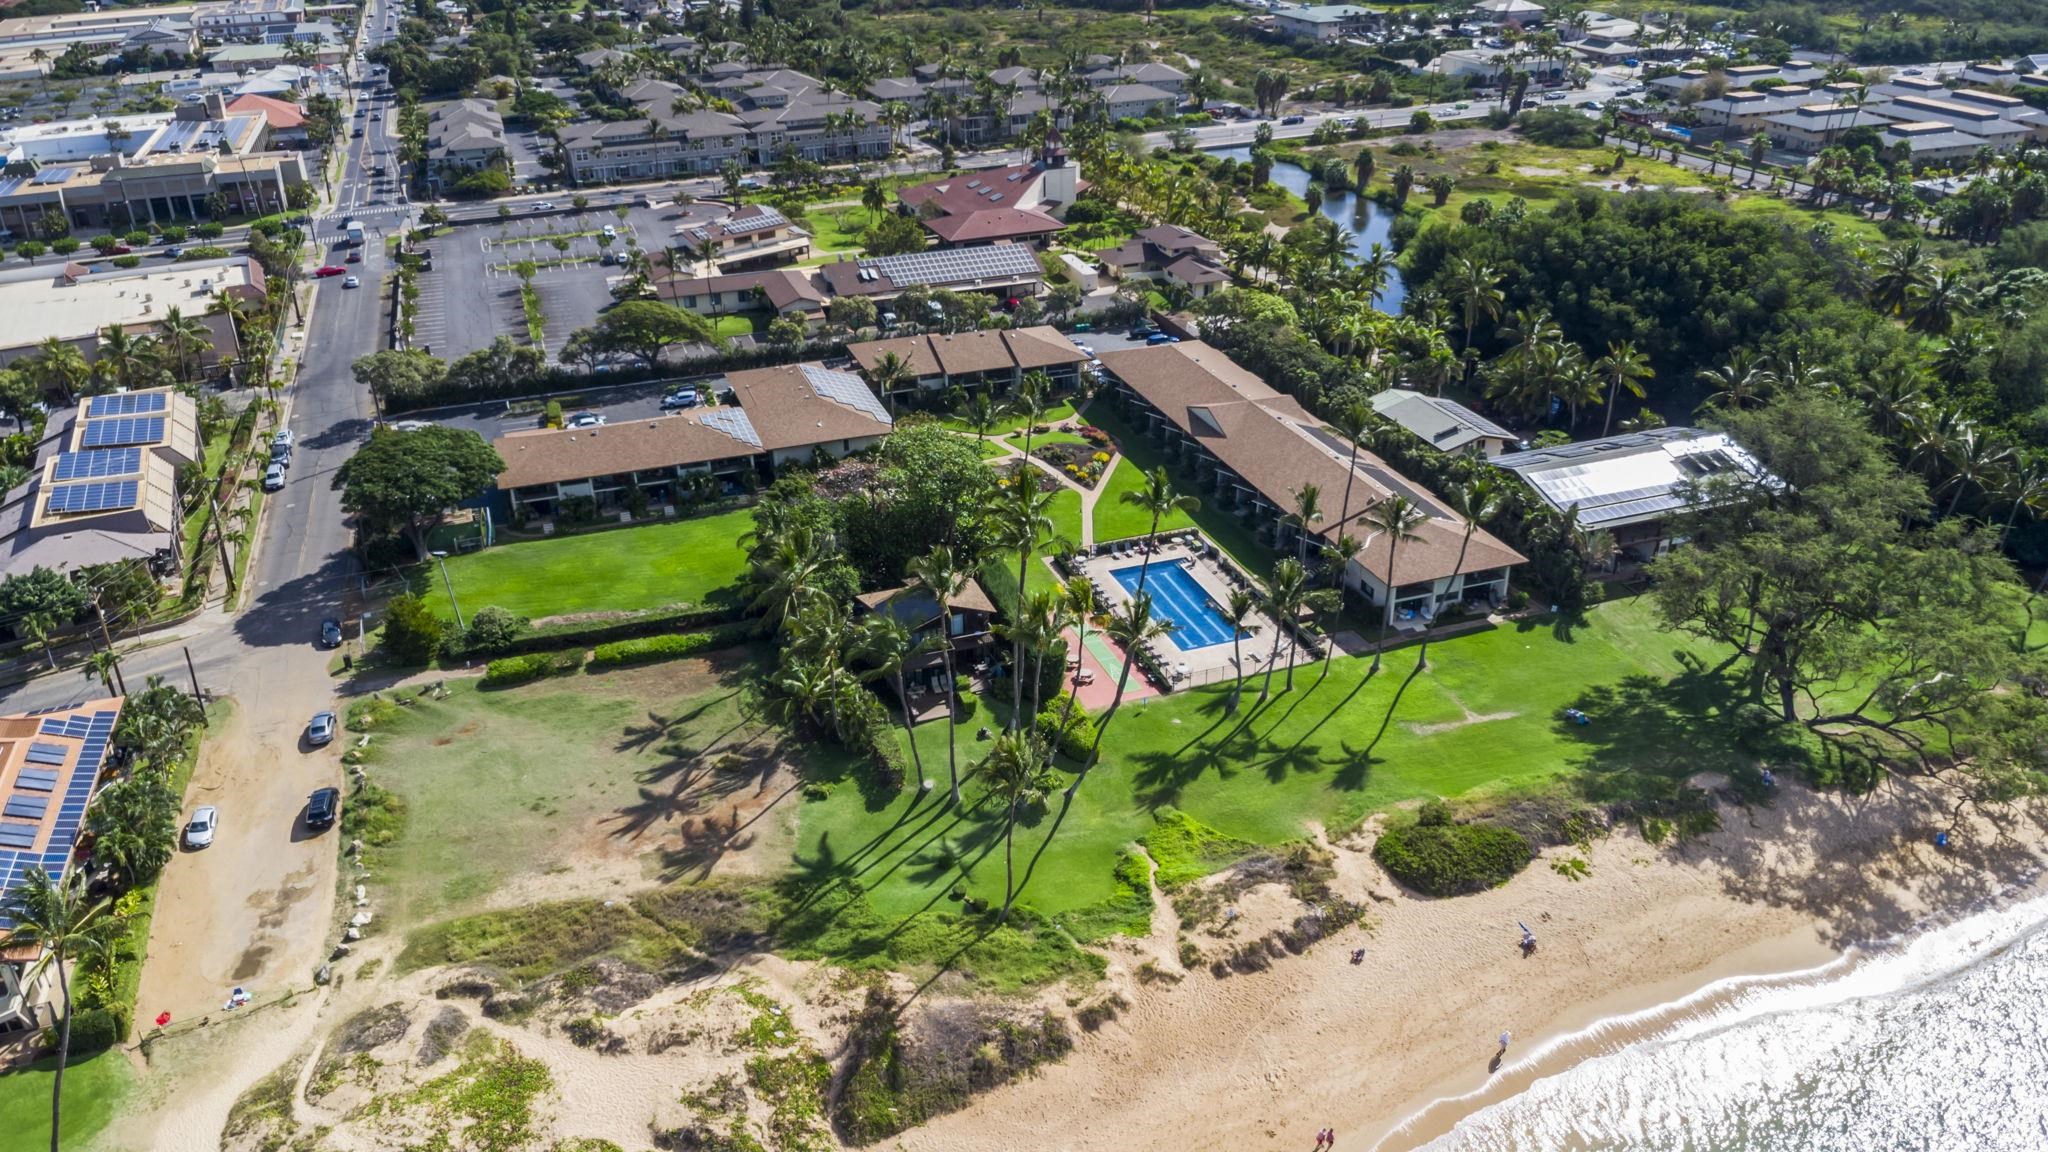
(93, 1087)
(1483, 720)
(741, 324)
(685, 562)
(1116, 520)
(1224, 528)
(835, 229)
(1011, 423)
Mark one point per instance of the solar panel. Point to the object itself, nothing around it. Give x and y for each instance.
(98, 496)
(123, 430)
(18, 835)
(55, 175)
(845, 388)
(734, 423)
(47, 754)
(127, 404)
(97, 463)
(36, 780)
(26, 807)
(74, 727)
(958, 265)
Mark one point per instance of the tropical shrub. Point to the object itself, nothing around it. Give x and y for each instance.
(510, 670)
(672, 646)
(1444, 859)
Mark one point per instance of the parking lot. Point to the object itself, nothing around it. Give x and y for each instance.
(472, 295)
(617, 403)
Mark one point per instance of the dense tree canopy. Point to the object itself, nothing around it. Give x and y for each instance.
(406, 481)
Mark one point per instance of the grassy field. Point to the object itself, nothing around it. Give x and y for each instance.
(741, 324)
(93, 1089)
(1012, 423)
(684, 562)
(1140, 456)
(1116, 520)
(1483, 721)
(836, 229)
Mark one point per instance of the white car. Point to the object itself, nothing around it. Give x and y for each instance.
(199, 830)
(273, 477)
(352, 282)
(586, 420)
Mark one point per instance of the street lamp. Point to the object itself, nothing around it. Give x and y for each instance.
(441, 558)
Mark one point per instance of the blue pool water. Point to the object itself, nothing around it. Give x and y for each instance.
(1177, 598)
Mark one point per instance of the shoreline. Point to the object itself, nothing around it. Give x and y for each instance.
(1394, 1052)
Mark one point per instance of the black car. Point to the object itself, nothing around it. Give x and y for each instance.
(330, 633)
(1142, 331)
(1294, 120)
(322, 808)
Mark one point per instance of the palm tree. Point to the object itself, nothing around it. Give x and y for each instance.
(1156, 496)
(1624, 366)
(1241, 612)
(784, 574)
(1759, 144)
(1979, 461)
(1024, 520)
(1573, 381)
(1337, 553)
(1351, 422)
(941, 575)
(2025, 486)
(1041, 617)
(1478, 499)
(62, 923)
(891, 645)
(59, 367)
(183, 336)
(1397, 517)
(102, 665)
(1737, 384)
(1478, 287)
(120, 356)
(1308, 509)
(1284, 590)
(1132, 628)
(891, 372)
(1015, 774)
(982, 415)
(1936, 303)
(1080, 609)
(873, 199)
(1896, 272)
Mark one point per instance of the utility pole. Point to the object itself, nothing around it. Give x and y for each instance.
(107, 639)
(220, 537)
(192, 672)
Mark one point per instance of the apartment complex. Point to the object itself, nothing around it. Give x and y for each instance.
(465, 136)
(777, 112)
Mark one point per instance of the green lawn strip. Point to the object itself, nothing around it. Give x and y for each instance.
(687, 561)
(740, 324)
(1012, 422)
(1140, 456)
(1482, 721)
(1117, 520)
(94, 1087)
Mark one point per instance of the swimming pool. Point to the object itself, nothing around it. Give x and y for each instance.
(1177, 598)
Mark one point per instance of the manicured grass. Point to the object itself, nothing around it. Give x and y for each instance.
(1223, 527)
(1484, 720)
(93, 1088)
(1010, 422)
(1116, 520)
(690, 561)
(1044, 439)
(836, 229)
(741, 324)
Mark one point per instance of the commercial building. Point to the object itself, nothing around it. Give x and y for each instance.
(1635, 485)
(108, 31)
(783, 291)
(248, 20)
(771, 416)
(76, 303)
(753, 236)
(52, 764)
(116, 171)
(1325, 22)
(997, 359)
(1008, 271)
(1251, 449)
(1019, 204)
(284, 123)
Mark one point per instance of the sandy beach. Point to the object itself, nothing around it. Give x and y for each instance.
(1402, 1041)
(1267, 1060)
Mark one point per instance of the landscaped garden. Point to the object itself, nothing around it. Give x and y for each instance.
(686, 561)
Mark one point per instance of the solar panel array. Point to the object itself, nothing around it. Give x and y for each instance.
(55, 175)
(98, 463)
(95, 730)
(734, 423)
(96, 496)
(26, 807)
(127, 404)
(36, 780)
(846, 388)
(958, 265)
(41, 753)
(123, 430)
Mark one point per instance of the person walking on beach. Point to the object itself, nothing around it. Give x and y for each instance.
(1504, 1038)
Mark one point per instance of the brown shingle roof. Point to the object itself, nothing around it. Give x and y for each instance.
(964, 352)
(1175, 376)
(916, 351)
(789, 413)
(550, 456)
(970, 598)
(992, 224)
(785, 288)
(1042, 347)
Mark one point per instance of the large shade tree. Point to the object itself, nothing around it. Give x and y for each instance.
(406, 481)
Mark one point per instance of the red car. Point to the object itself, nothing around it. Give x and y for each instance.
(354, 258)
(329, 270)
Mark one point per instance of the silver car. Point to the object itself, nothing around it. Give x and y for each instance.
(321, 729)
(199, 830)
(273, 477)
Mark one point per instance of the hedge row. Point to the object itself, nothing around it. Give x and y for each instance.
(594, 633)
(510, 670)
(672, 646)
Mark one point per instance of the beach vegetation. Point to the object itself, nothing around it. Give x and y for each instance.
(1445, 858)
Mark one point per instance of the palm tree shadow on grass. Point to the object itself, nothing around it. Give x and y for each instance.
(638, 737)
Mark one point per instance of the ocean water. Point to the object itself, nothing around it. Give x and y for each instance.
(1940, 1043)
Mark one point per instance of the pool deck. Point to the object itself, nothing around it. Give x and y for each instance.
(1201, 665)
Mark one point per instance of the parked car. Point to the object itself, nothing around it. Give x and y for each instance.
(1158, 338)
(199, 830)
(352, 282)
(586, 420)
(323, 808)
(680, 398)
(273, 477)
(1559, 94)
(611, 233)
(354, 258)
(320, 730)
(1142, 331)
(330, 633)
(286, 437)
(326, 270)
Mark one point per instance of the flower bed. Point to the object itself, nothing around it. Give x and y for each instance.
(1082, 463)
